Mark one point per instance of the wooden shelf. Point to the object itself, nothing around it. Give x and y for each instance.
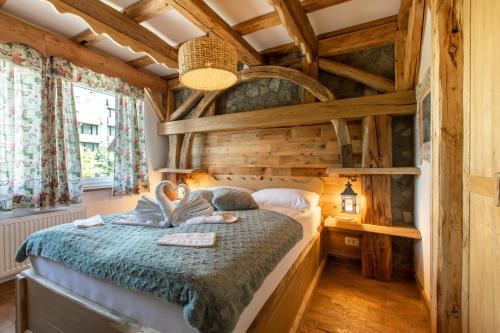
(183, 171)
(373, 171)
(407, 232)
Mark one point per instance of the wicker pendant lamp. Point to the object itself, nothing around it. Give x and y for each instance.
(207, 64)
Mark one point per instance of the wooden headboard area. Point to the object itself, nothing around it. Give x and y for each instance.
(290, 157)
(278, 127)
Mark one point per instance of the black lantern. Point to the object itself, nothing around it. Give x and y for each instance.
(349, 199)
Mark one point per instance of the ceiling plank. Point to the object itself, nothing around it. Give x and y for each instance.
(358, 40)
(123, 30)
(141, 62)
(200, 14)
(146, 9)
(272, 19)
(376, 82)
(17, 31)
(301, 114)
(413, 43)
(87, 38)
(295, 20)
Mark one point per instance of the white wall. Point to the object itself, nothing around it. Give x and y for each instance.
(102, 201)
(423, 209)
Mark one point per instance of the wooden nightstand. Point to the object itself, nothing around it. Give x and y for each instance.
(344, 237)
(342, 243)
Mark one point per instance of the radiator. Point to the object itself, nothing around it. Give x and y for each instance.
(15, 230)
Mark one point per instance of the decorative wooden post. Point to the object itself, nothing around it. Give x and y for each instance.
(376, 189)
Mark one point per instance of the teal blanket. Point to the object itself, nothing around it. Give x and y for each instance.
(213, 285)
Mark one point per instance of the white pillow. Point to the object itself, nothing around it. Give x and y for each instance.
(286, 197)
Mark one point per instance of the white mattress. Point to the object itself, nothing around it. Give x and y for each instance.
(163, 316)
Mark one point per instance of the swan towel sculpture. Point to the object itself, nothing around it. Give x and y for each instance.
(165, 213)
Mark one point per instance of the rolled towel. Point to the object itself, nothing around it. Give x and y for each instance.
(93, 221)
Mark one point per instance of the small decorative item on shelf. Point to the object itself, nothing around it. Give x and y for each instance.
(180, 191)
(349, 198)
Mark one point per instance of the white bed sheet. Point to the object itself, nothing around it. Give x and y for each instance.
(163, 316)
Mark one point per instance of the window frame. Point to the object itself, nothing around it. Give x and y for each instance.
(104, 182)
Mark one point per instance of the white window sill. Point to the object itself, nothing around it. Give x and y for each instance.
(97, 183)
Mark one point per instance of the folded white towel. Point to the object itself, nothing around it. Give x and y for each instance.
(205, 219)
(93, 221)
(188, 239)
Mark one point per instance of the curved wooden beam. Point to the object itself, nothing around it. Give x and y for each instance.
(317, 89)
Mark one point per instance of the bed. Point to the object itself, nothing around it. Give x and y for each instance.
(109, 307)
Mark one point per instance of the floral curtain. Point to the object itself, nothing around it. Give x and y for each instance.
(130, 169)
(39, 157)
(39, 141)
(61, 149)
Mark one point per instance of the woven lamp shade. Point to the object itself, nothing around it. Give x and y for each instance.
(207, 64)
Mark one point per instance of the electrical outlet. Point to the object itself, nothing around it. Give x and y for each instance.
(351, 241)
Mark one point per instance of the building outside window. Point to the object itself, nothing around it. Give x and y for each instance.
(96, 121)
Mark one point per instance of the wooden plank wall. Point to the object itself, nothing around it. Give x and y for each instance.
(289, 151)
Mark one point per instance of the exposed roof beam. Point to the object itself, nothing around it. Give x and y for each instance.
(294, 18)
(272, 19)
(286, 48)
(146, 9)
(400, 103)
(399, 44)
(413, 43)
(104, 19)
(376, 82)
(141, 62)
(200, 14)
(2, 2)
(87, 38)
(358, 40)
(17, 31)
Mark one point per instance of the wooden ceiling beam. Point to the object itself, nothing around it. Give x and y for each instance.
(87, 38)
(291, 47)
(141, 62)
(400, 103)
(413, 42)
(201, 15)
(357, 40)
(16, 31)
(295, 20)
(146, 9)
(272, 19)
(123, 30)
(374, 81)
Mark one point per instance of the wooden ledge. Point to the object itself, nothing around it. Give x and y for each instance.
(373, 171)
(183, 171)
(407, 232)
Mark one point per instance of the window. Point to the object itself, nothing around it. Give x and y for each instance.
(111, 131)
(95, 115)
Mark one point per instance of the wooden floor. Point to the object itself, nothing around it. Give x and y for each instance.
(343, 303)
(7, 307)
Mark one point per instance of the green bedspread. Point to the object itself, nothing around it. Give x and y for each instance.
(214, 285)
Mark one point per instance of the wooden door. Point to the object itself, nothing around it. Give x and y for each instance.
(482, 163)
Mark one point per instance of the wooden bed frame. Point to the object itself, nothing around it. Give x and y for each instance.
(43, 306)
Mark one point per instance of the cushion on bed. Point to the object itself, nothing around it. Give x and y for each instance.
(226, 198)
(205, 194)
(286, 197)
